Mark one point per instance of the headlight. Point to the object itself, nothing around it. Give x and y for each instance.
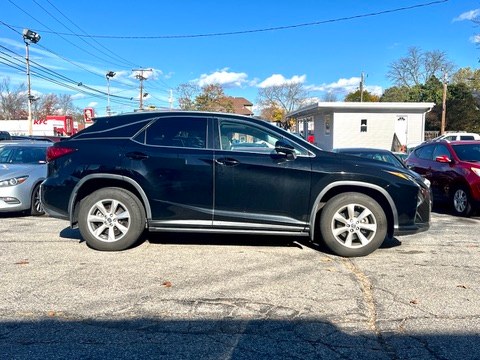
(402, 175)
(13, 181)
(427, 182)
(476, 171)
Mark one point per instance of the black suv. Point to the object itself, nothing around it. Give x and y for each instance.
(212, 172)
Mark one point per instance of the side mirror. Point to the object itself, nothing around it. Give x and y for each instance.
(285, 148)
(443, 159)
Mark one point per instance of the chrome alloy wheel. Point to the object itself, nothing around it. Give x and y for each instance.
(354, 226)
(460, 201)
(108, 220)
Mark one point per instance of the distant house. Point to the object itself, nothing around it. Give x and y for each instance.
(384, 125)
(241, 106)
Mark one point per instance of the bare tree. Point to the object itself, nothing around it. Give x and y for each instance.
(12, 101)
(288, 96)
(419, 66)
(187, 93)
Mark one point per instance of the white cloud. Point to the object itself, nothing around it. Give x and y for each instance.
(469, 15)
(223, 77)
(92, 104)
(475, 39)
(345, 86)
(278, 79)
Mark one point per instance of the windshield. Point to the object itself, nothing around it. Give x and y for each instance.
(467, 152)
(22, 155)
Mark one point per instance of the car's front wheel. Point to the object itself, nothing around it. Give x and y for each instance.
(461, 203)
(353, 224)
(111, 219)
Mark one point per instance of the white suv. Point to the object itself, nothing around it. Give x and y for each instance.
(453, 136)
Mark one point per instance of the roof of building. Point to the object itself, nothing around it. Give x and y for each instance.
(362, 107)
(241, 106)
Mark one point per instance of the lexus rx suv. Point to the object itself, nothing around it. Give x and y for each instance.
(453, 168)
(211, 172)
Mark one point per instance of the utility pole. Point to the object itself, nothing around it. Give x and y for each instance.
(362, 80)
(444, 103)
(141, 78)
(170, 99)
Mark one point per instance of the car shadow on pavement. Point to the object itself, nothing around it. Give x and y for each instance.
(219, 336)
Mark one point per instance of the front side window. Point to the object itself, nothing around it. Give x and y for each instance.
(250, 138)
(441, 150)
(190, 132)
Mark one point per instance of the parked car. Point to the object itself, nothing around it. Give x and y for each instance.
(453, 168)
(5, 135)
(381, 155)
(23, 167)
(454, 136)
(177, 171)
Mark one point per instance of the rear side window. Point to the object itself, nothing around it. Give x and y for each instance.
(182, 131)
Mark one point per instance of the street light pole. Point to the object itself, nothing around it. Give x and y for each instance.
(109, 75)
(29, 37)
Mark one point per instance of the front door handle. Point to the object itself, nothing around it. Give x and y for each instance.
(135, 155)
(227, 161)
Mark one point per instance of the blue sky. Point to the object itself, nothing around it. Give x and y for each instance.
(326, 45)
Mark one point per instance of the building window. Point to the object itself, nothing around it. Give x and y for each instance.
(363, 125)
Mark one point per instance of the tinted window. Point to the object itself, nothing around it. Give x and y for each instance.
(467, 137)
(246, 137)
(424, 152)
(441, 150)
(468, 152)
(177, 132)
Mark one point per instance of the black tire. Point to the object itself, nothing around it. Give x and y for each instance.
(100, 224)
(461, 201)
(36, 207)
(353, 224)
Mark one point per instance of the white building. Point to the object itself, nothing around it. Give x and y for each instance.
(384, 125)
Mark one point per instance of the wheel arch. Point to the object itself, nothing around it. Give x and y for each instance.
(374, 191)
(94, 182)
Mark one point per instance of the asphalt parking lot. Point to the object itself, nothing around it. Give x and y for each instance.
(193, 296)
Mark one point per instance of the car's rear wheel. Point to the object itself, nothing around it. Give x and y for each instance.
(111, 219)
(36, 207)
(461, 202)
(353, 224)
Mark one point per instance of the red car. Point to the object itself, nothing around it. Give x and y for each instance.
(453, 168)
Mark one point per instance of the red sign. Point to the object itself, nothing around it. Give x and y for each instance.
(88, 115)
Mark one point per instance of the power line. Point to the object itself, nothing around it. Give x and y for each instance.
(100, 47)
(241, 32)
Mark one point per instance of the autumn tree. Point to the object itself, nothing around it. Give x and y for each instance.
(287, 97)
(212, 98)
(207, 98)
(418, 66)
(13, 102)
(272, 113)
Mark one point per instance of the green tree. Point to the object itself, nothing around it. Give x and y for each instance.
(462, 109)
(367, 96)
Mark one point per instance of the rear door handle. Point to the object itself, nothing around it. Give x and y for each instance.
(136, 155)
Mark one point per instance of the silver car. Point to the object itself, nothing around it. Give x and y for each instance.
(23, 167)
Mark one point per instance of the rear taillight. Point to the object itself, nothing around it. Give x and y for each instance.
(54, 152)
